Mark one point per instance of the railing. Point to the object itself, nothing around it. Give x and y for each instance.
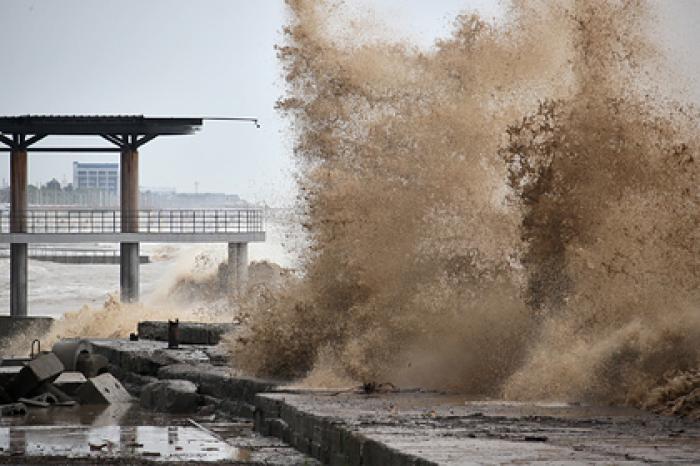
(73, 255)
(55, 252)
(149, 221)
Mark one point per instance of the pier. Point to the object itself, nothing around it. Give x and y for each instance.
(129, 226)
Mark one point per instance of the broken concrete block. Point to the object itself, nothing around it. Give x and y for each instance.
(56, 392)
(171, 396)
(69, 349)
(103, 390)
(69, 382)
(91, 365)
(133, 382)
(14, 409)
(44, 368)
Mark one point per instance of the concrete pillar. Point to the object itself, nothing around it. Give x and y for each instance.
(129, 252)
(18, 224)
(18, 279)
(129, 272)
(238, 264)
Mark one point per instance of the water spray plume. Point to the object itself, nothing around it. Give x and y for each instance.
(511, 213)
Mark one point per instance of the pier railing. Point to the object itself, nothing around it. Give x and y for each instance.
(73, 255)
(191, 221)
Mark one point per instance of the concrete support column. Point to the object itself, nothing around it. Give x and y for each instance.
(129, 258)
(18, 224)
(129, 272)
(238, 264)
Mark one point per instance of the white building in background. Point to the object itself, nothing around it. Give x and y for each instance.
(102, 176)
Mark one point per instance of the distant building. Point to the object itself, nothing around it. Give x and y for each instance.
(53, 185)
(101, 176)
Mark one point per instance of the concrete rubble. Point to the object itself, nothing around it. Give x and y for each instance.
(102, 390)
(142, 376)
(173, 396)
(69, 382)
(189, 333)
(44, 368)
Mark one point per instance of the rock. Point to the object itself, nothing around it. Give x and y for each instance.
(103, 390)
(44, 368)
(14, 409)
(133, 382)
(69, 382)
(171, 396)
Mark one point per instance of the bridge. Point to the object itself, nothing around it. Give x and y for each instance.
(129, 226)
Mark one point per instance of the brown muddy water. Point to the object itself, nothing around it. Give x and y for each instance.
(512, 212)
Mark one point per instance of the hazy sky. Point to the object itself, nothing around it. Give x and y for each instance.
(198, 58)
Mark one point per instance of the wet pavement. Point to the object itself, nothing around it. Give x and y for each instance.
(440, 429)
(126, 434)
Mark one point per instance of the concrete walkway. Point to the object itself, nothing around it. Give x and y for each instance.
(434, 429)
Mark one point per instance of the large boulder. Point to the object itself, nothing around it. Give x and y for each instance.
(171, 396)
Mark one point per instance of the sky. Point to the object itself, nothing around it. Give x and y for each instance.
(200, 58)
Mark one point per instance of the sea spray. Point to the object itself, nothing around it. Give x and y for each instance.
(196, 288)
(512, 213)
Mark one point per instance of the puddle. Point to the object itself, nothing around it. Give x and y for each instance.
(156, 443)
(115, 431)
